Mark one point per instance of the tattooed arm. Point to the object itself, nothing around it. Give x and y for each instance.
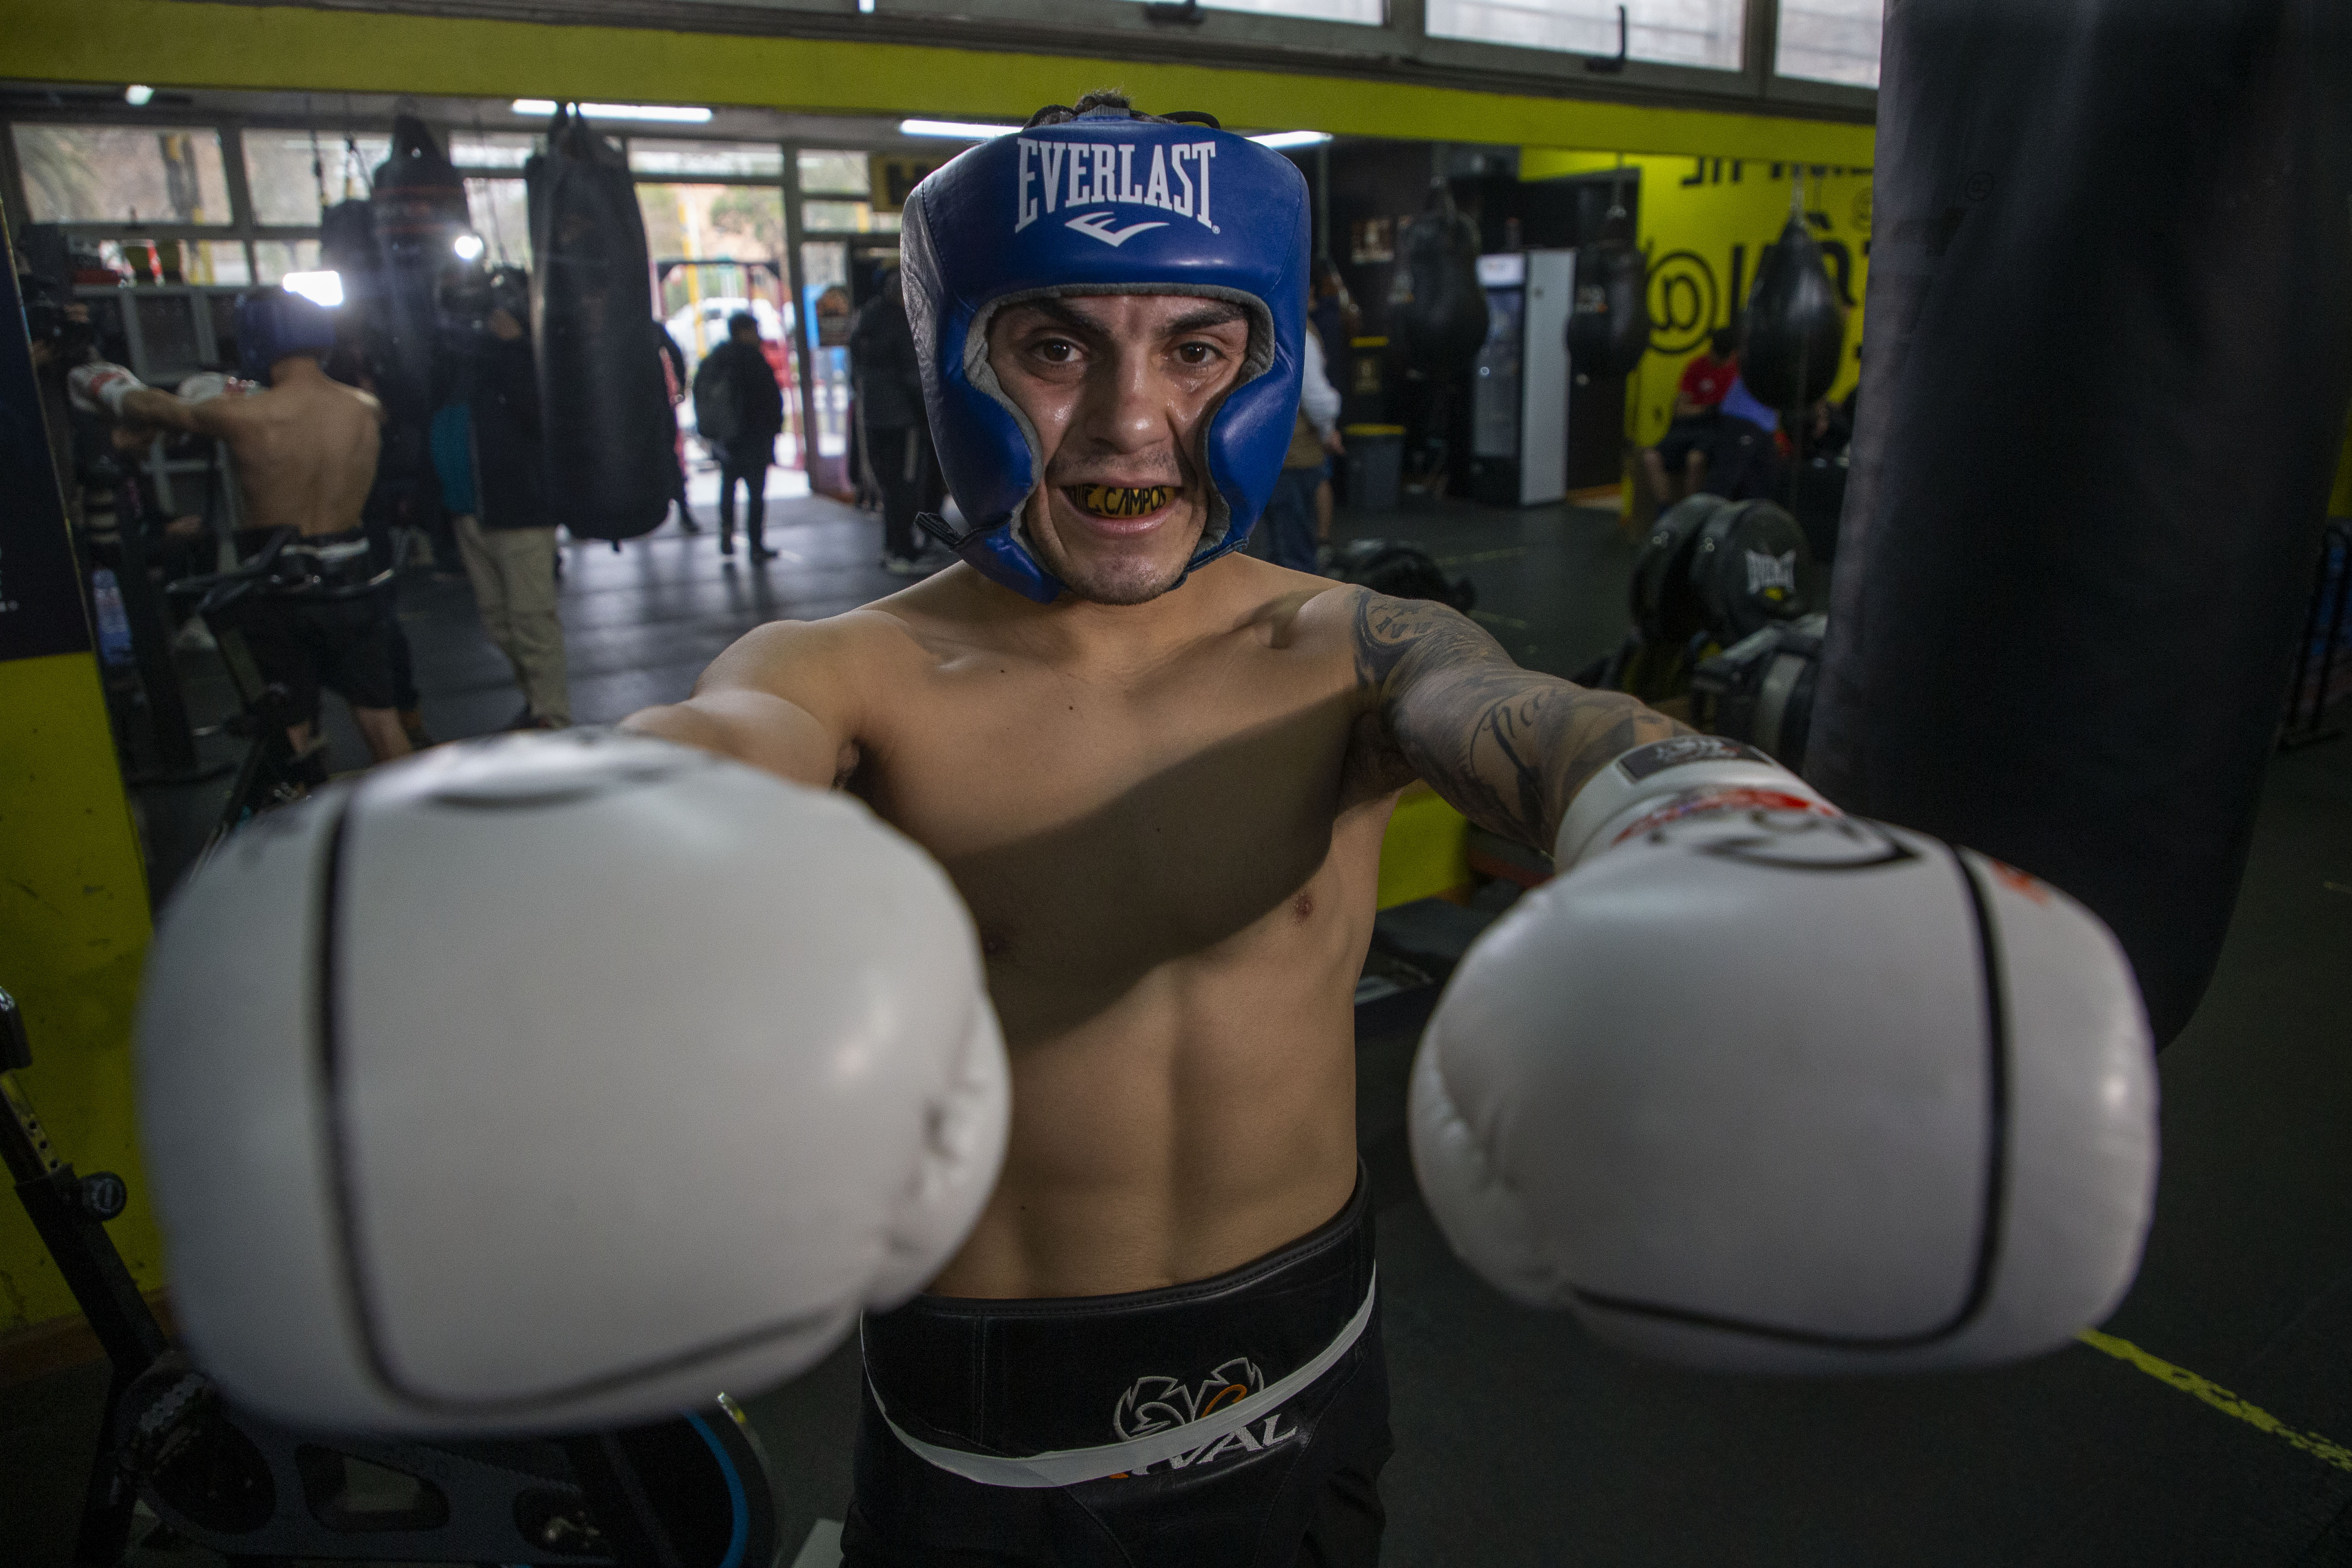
(1506, 747)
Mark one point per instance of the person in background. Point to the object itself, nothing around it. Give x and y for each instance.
(1676, 466)
(897, 439)
(1313, 436)
(508, 541)
(1331, 311)
(304, 449)
(1741, 458)
(737, 378)
(673, 376)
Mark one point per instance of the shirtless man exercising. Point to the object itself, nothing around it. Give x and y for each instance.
(304, 446)
(1144, 1323)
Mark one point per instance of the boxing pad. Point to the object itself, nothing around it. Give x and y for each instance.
(1608, 325)
(1755, 1085)
(557, 1081)
(609, 434)
(1440, 326)
(1793, 333)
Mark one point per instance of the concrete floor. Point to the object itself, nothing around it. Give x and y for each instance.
(1520, 1441)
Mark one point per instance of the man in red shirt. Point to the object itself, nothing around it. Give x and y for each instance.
(1682, 452)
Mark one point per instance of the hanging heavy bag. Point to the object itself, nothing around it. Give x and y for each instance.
(608, 431)
(1609, 325)
(418, 211)
(1439, 320)
(2110, 349)
(348, 247)
(1793, 330)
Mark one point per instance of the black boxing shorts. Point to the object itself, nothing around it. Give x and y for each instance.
(303, 641)
(1241, 1420)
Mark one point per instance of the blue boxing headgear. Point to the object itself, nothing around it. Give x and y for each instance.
(272, 323)
(1109, 202)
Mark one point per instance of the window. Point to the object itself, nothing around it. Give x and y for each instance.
(1371, 12)
(491, 149)
(847, 217)
(274, 259)
(835, 174)
(500, 212)
(753, 159)
(1671, 32)
(284, 184)
(1830, 40)
(708, 223)
(112, 173)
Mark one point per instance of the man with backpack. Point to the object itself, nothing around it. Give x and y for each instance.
(738, 410)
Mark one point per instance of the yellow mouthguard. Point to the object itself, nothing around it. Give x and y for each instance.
(1122, 501)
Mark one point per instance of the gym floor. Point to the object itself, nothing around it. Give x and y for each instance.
(2214, 1427)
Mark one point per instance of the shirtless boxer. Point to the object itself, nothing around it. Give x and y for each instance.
(305, 450)
(1159, 770)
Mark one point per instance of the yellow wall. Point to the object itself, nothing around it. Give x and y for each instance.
(73, 930)
(179, 43)
(1703, 219)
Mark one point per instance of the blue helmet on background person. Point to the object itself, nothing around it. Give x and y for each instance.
(1103, 201)
(272, 323)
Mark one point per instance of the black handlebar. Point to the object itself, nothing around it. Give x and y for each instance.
(269, 572)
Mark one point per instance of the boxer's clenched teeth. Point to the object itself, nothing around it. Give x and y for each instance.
(1121, 501)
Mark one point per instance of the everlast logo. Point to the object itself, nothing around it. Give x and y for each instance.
(1067, 175)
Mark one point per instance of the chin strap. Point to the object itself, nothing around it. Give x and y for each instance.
(995, 555)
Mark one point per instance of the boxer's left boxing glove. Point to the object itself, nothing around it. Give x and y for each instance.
(98, 387)
(1753, 1084)
(557, 1081)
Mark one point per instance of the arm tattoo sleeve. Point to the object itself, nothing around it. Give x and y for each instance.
(1506, 747)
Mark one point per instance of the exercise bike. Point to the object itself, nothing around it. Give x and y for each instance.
(273, 773)
(690, 1492)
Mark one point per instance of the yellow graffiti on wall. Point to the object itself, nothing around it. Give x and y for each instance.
(1703, 222)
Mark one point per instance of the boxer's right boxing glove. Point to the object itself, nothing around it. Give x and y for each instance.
(207, 385)
(1753, 1084)
(98, 387)
(556, 1081)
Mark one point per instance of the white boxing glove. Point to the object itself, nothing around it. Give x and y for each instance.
(1755, 1085)
(558, 1082)
(207, 385)
(98, 387)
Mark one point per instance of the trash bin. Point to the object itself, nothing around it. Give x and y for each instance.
(1375, 464)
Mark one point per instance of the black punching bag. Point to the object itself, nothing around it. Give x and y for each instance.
(1438, 318)
(1608, 325)
(1792, 333)
(2110, 328)
(607, 429)
(348, 248)
(418, 202)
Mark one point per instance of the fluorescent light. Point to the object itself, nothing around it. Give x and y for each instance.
(1293, 139)
(953, 130)
(668, 113)
(318, 287)
(137, 96)
(468, 247)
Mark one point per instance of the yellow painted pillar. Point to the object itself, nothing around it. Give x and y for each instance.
(73, 892)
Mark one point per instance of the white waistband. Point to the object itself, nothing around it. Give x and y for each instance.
(1068, 1467)
(342, 549)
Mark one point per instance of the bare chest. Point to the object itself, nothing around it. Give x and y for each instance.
(1100, 831)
